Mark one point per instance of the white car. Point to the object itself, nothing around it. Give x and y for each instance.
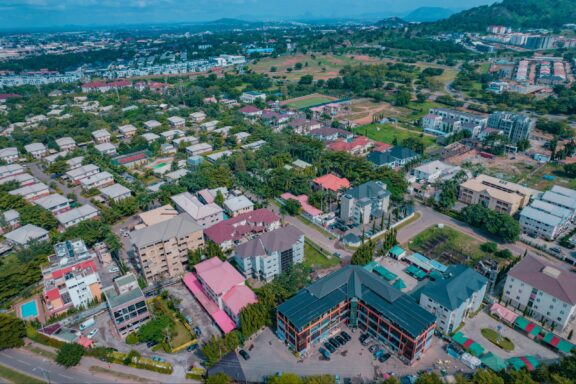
(113, 269)
(92, 333)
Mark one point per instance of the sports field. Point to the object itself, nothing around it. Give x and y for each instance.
(388, 133)
(308, 101)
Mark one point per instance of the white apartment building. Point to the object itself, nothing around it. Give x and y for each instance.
(546, 290)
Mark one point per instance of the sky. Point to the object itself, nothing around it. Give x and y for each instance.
(29, 14)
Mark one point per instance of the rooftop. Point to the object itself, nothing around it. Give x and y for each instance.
(546, 276)
(158, 215)
(457, 286)
(356, 282)
(178, 226)
(332, 182)
(279, 240)
(368, 190)
(194, 207)
(238, 227)
(25, 234)
(219, 275)
(237, 203)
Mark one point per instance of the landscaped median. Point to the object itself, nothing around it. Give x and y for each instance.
(498, 340)
(135, 361)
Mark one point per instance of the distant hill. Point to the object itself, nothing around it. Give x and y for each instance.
(512, 13)
(392, 22)
(425, 14)
(231, 22)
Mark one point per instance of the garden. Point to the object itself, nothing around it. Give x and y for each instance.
(497, 339)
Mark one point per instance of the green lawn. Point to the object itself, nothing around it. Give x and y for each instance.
(307, 103)
(428, 242)
(501, 342)
(314, 259)
(386, 133)
(16, 377)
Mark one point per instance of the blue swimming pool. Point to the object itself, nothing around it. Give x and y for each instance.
(29, 309)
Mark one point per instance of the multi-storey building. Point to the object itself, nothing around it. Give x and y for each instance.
(545, 290)
(545, 220)
(355, 297)
(561, 197)
(127, 304)
(495, 194)
(162, 248)
(452, 298)
(365, 202)
(272, 253)
(206, 215)
(514, 125)
(72, 279)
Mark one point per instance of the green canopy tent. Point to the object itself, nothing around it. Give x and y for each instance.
(494, 362)
(527, 326)
(558, 343)
(528, 362)
(399, 284)
(386, 274)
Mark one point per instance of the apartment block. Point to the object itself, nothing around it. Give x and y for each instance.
(514, 125)
(365, 202)
(162, 248)
(495, 194)
(127, 304)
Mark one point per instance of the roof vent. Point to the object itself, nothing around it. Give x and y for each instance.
(551, 271)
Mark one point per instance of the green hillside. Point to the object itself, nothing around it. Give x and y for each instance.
(512, 13)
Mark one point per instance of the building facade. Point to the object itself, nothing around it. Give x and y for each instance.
(364, 203)
(514, 125)
(126, 304)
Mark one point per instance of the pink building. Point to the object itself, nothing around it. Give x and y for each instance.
(308, 210)
(220, 289)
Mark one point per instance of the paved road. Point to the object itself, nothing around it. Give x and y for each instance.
(38, 173)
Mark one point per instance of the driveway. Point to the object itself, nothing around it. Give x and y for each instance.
(38, 173)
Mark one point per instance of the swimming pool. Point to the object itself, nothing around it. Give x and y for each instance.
(159, 165)
(29, 309)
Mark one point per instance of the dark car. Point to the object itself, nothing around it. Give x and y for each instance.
(373, 348)
(346, 336)
(150, 344)
(244, 354)
(324, 352)
(341, 340)
(383, 357)
(334, 342)
(330, 347)
(197, 331)
(192, 347)
(364, 339)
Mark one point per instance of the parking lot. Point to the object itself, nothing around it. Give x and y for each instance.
(398, 267)
(268, 356)
(523, 345)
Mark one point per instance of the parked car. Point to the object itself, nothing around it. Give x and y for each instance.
(334, 342)
(158, 359)
(330, 347)
(114, 269)
(373, 348)
(244, 354)
(324, 353)
(365, 339)
(383, 357)
(192, 347)
(340, 339)
(150, 344)
(346, 336)
(92, 333)
(197, 331)
(189, 319)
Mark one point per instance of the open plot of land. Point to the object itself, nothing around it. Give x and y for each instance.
(447, 245)
(315, 259)
(547, 176)
(362, 111)
(388, 133)
(308, 101)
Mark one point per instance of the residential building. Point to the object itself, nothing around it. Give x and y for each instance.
(440, 126)
(358, 146)
(115, 192)
(106, 149)
(306, 208)
(11, 221)
(250, 111)
(101, 136)
(126, 304)
(206, 215)
(175, 175)
(331, 134)
(11, 170)
(150, 137)
(132, 160)
(455, 296)
(127, 131)
(54, 203)
(237, 205)
(242, 227)
(158, 215)
(22, 236)
(515, 126)
(197, 117)
(254, 146)
(435, 170)
(36, 150)
(9, 155)
(545, 290)
(355, 297)
(99, 180)
(304, 126)
(209, 126)
(77, 174)
(561, 197)
(176, 122)
(463, 117)
(198, 149)
(172, 134)
(152, 124)
(445, 122)
(75, 162)
(162, 248)
(251, 97)
(545, 220)
(330, 182)
(75, 216)
(271, 254)
(32, 192)
(66, 143)
(364, 203)
(221, 290)
(395, 157)
(495, 194)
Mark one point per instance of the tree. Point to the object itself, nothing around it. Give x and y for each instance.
(285, 378)
(291, 207)
(69, 355)
(489, 247)
(218, 378)
(12, 331)
(495, 223)
(219, 199)
(154, 329)
(364, 253)
(429, 378)
(570, 170)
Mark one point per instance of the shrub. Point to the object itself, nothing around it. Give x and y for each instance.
(132, 339)
(70, 355)
(489, 247)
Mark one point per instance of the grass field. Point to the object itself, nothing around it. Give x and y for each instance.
(314, 259)
(386, 133)
(308, 102)
(455, 242)
(501, 342)
(16, 377)
(538, 182)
